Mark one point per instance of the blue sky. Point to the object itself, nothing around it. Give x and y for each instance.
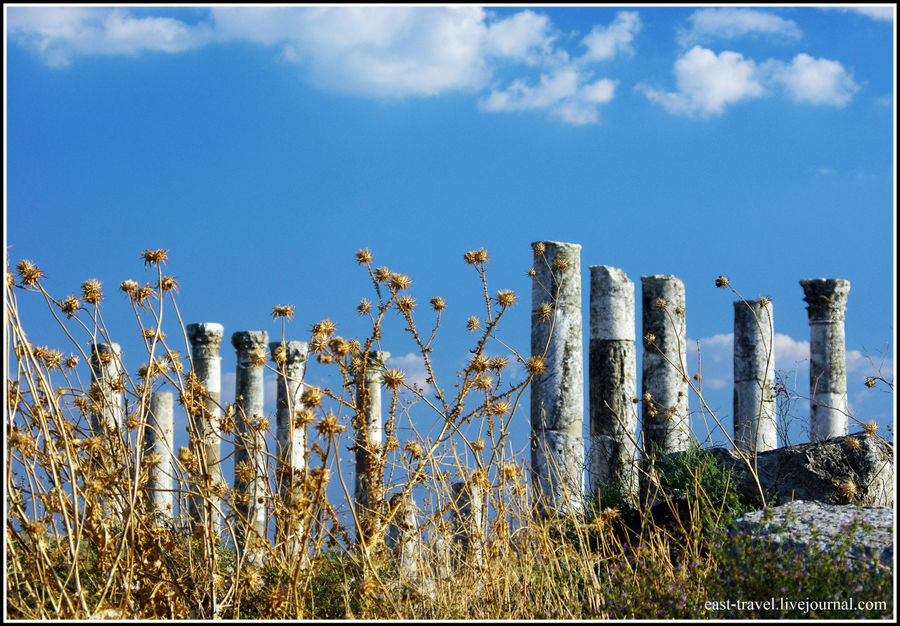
(263, 146)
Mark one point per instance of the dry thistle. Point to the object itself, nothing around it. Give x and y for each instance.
(400, 282)
(405, 304)
(243, 471)
(364, 306)
(155, 257)
(438, 303)
(382, 274)
(325, 327)
(852, 443)
(479, 444)
(498, 363)
(544, 312)
(870, 427)
(53, 359)
(870, 381)
(847, 489)
(531, 273)
(312, 396)
(29, 272)
(415, 449)
(480, 363)
(473, 323)
(91, 292)
(661, 304)
(340, 346)
(329, 425)
(393, 378)
(650, 339)
(363, 257)
(144, 293)
(70, 306)
(484, 382)
(561, 264)
(72, 361)
(539, 247)
(258, 358)
(764, 302)
(535, 365)
(506, 297)
(476, 256)
(128, 286)
(283, 310)
(722, 281)
(168, 283)
(501, 407)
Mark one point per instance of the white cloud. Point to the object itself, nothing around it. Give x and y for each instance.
(603, 43)
(880, 13)
(790, 354)
(728, 23)
(707, 82)
(816, 81)
(524, 36)
(58, 34)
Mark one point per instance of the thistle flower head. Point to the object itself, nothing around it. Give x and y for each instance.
(870, 427)
(852, 443)
(722, 281)
(364, 306)
(312, 396)
(501, 407)
(329, 425)
(363, 256)
(870, 381)
(476, 256)
(29, 272)
(283, 310)
(143, 294)
(405, 304)
(325, 327)
(544, 312)
(661, 304)
(399, 282)
(128, 286)
(155, 257)
(498, 363)
(70, 306)
(480, 363)
(535, 365)
(539, 247)
(473, 323)
(416, 449)
(438, 303)
(168, 283)
(393, 378)
(382, 274)
(561, 264)
(506, 297)
(91, 292)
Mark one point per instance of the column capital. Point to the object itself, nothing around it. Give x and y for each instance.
(826, 298)
(246, 340)
(205, 338)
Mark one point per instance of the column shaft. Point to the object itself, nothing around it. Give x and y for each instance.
(612, 375)
(159, 433)
(106, 369)
(754, 376)
(369, 481)
(828, 407)
(557, 394)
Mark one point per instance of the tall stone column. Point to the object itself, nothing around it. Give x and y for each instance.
(250, 477)
(613, 386)
(205, 340)
(467, 523)
(828, 407)
(159, 433)
(755, 415)
(403, 537)
(106, 369)
(369, 436)
(557, 394)
(290, 440)
(665, 412)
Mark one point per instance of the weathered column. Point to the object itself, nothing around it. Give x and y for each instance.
(613, 387)
(250, 477)
(665, 413)
(290, 439)
(828, 407)
(403, 537)
(557, 394)
(159, 433)
(205, 340)
(369, 437)
(754, 376)
(467, 515)
(106, 370)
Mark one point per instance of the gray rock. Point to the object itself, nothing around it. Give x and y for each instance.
(835, 471)
(792, 526)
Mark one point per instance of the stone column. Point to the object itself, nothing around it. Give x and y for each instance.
(754, 376)
(369, 437)
(250, 477)
(290, 439)
(106, 369)
(403, 536)
(665, 414)
(467, 523)
(828, 407)
(613, 386)
(557, 394)
(205, 340)
(159, 433)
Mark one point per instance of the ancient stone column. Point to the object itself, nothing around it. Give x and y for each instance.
(403, 536)
(828, 408)
(754, 376)
(250, 477)
(205, 340)
(467, 521)
(159, 433)
(613, 387)
(290, 438)
(369, 437)
(557, 394)
(665, 413)
(106, 370)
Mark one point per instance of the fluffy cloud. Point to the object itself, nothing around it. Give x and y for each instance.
(880, 13)
(707, 82)
(816, 81)
(710, 24)
(604, 43)
(58, 34)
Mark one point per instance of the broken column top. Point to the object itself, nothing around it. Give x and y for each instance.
(101, 348)
(826, 298)
(294, 351)
(249, 339)
(612, 304)
(545, 277)
(205, 333)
